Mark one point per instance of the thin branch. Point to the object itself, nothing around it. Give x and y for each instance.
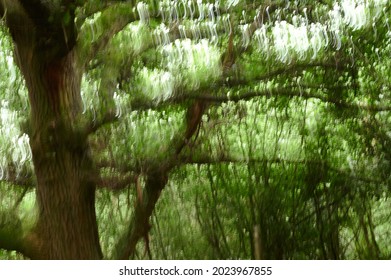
(90, 8)
(20, 199)
(193, 120)
(108, 118)
(118, 182)
(207, 160)
(23, 179)
(111, 164)
(291, 93)
(290, 69)
(182, 95)
(139, 105)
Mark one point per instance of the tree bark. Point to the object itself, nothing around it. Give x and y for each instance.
(67, 226)
(139, 227)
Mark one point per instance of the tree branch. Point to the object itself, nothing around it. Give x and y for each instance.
(290, 69)
(112, 20)
(24, 179)
(90, 8)
(108, 118)
(155, 181)
(206, 160)
(289, 92)
(293, 93)
(139, 225)
(117, 183)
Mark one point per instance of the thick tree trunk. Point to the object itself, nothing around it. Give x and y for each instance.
(45, 49)
(67, 226)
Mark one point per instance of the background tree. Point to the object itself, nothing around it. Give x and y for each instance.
(267, 120)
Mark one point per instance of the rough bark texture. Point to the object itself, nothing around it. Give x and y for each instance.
(49, 57)
(139, 225)
(67, 227)
(67, 224)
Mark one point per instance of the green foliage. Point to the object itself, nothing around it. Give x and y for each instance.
(292, 154)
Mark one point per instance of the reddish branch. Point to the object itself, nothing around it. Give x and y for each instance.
(155, 181)
(139, 226)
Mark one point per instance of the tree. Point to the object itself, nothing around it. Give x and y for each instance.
(207, 59)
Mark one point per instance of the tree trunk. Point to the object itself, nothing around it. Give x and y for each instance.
(67, 226)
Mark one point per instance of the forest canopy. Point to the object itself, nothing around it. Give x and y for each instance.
(195, 129)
